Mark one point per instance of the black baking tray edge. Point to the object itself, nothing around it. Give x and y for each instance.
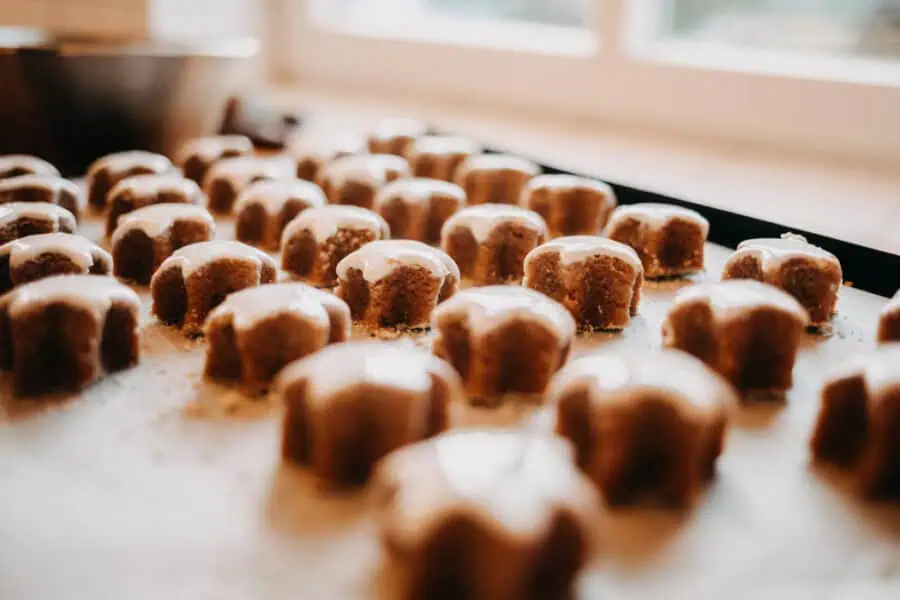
(864, 268)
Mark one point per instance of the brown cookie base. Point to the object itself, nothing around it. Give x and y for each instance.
(303, 257)
(137, 256)
(673, 251)
(256, 227)
(500, 259)
(573, 212)
(45, 265)
(24, 226)
(406, 297)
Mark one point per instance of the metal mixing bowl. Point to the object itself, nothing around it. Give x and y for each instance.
(71, 100)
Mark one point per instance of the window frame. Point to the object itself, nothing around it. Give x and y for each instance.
(834, 105)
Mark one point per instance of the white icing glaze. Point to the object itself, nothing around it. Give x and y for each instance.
(33, 164)
(49, 182)
(774, 252)
(418, 190)
(380, 258)
(79, 250)
(398, 365)
(577, 248)
(387, 129)
(443, 145)
(736, 297)
(122, 162)
(194, 256)
(239, 171)
(95, 293)
(487, 308)
(364, 169)
(153, 185)
(481, 220)
(12, 211)
(512, 482)
(273, 194)
(670, 373)
(250, 306)
(157, 219)
(657, 215)
(325, 221)
(322, 148)
(212, 147)
(496, 162)
(562, 183)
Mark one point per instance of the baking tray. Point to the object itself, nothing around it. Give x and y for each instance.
(156, 484)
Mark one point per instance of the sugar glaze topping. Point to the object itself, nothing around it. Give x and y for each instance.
(443, 145)
(325, 221)
(736, 297)
(213, 146)
(774, 252)
(45, 211)
(77, 249)
(418, 190)
(122, 162)
(365, 169)
(252, 305)
(156, 219)
(490, 307)
(195, 256)
(273, 194)
(399, 365)
(657, 215)
(379, 259)
(486, 163)
(511, 482)
(25, 162)
(240, 171)
(153, 185)
(95, 293)
(483, 219)
(577, 248)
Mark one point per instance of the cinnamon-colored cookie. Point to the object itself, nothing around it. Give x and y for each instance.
(570, 205)
(227, 178)
(357, 179)
(746, 330)
(503, 339)
(143, 190)
(439, 156)
(349, 404)
(19, 219)
(264, 209)
(43, 188)
(643, 425)
(196, 156)
(669, 239)
(146, 237)
(396, 282)
(395, 136)
(16, 165)
(597, 279)
(38, 256)
(197, 278)
(416, 208)
(63, 332)
(889, 320)
(104, 173)
(255, 332)
(312, 153)
(494, 178)
(491, 514)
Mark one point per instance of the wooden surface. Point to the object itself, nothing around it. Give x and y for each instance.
(849, 200)
(155, 484)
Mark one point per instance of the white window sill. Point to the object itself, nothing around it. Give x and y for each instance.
(854, 201)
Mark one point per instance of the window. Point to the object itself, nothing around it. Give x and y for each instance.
(849, 27)
(813, 75)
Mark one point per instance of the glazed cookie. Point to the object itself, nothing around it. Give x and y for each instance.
(570, 205)
(439, 156)
(19, 219)
(746, 330)
(597, 279)
(104, 173)
(227, 178)
(196, 156)
(63, 332)
(806, 272)
(42, 188)
(416, 208)
(391, 283)
(889, 320)
(643, 425)
(15, 165)
(669, 239)
(312, 153)
(349, 404)
(357, 179)
(143, 190)
(494, 178)
(319, 238)
(859, 422)
(197, 278)
(491, 514)
(503, 339)
(38, 256)
(395, 136)
(264, 209)
(490, 242)
(146, 237)
(255, 332)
